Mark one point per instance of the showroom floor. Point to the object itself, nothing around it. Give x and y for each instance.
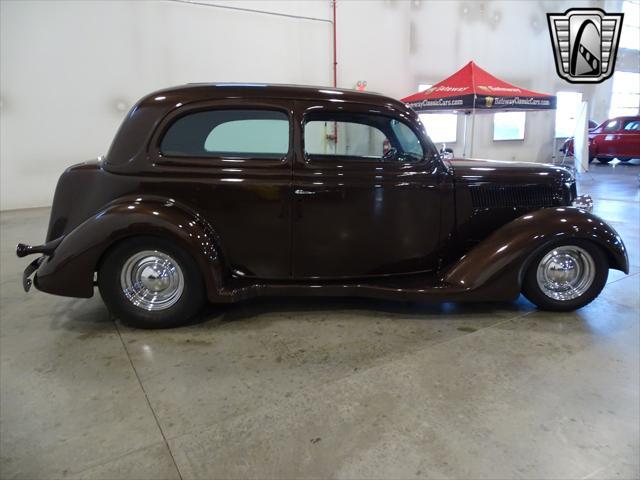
(311, 388)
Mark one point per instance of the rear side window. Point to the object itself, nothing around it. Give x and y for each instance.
(229, 133)
(633, 125)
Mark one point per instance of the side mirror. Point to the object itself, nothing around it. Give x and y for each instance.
(447, 153)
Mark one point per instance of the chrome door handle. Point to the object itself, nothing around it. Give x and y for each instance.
(304, 192)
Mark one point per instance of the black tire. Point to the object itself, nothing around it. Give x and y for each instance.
(187, 303)
(534, 293)
(604, 160)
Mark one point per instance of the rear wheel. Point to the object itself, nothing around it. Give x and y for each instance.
(149, 282)
(604, 160)
(566, 276)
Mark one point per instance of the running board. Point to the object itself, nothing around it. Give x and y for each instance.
(414, 288)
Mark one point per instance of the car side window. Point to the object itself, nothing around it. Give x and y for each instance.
(359, 137)
(229, 133)
(612, 125)
(633, 125)
(344, 138)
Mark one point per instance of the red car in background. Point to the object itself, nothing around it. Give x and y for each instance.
(615, 138)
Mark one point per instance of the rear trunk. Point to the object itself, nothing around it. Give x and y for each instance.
(80, 194)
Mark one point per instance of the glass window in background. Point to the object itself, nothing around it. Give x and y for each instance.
(509, 125)
(630, 35)
(567, 111)
(441, 127)
(625, 94)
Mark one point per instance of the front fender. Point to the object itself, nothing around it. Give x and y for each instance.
(497, 264)
(69, 269)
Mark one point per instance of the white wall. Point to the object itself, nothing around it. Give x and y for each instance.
(70, 70)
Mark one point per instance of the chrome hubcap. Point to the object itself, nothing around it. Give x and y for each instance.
(152, 280)
(566, 272)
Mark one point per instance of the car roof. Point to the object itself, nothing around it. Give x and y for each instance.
(142, 120)
(211, 91)
(626, 117)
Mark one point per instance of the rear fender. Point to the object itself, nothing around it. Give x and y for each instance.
(69, 269)
(497, 265)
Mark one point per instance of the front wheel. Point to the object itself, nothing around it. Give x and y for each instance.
(604, 160)
(149, 282)
(566, 276)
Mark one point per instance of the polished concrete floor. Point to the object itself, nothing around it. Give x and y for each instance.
(297, 388)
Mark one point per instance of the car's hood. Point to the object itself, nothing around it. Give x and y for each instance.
(475, 171)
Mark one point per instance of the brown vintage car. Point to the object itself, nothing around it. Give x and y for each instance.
(222, 192)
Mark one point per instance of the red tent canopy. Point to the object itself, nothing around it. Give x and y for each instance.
(472, 88)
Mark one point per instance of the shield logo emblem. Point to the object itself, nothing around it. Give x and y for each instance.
(585, 43)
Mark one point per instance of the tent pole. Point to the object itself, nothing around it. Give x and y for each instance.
(464, 136)
(473, 129)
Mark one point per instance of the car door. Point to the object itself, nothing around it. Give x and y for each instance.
(630, 139)
(231, 161)
(607, 139)
(363, 205)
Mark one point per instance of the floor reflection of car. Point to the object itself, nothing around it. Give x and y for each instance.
(615, 138)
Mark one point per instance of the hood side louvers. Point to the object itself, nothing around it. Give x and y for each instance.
(494, 196)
